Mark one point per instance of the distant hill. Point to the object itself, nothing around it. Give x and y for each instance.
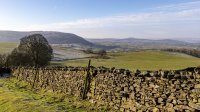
(138, 41)
(52, 36)
(117, 44)
(190, 40)
(135, 43)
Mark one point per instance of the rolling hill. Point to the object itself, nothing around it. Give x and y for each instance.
(135, 43)
(116, 44)
(52, 36)
(139, 41)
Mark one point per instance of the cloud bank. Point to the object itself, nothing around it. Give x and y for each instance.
(171, 21)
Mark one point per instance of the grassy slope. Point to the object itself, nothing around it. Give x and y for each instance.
(17, 96)
(143, 60)
(6, 47)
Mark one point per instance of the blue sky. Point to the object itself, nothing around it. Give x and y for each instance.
(104, 18)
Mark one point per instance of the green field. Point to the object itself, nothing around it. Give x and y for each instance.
(142, 60)
(7, 47)
(17, 96)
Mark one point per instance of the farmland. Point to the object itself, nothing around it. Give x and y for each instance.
(143, 60)
(6, 47)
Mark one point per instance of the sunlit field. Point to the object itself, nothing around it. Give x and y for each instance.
(18, 96)
(143, 60)
(7, 47)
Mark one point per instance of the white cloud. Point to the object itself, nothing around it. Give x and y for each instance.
(178, 20)
(179, 7)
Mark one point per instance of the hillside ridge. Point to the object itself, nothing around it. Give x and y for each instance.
(53, 37)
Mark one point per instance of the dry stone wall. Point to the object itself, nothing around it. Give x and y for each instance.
(124, 90)
(66, 80)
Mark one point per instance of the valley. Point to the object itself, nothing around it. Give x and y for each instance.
(143, 59)
(55, 88)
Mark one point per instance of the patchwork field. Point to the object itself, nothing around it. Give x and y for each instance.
(143, 60)
(63, 53)
(60, 52)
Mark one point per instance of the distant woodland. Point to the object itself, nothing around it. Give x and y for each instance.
(192, 52)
